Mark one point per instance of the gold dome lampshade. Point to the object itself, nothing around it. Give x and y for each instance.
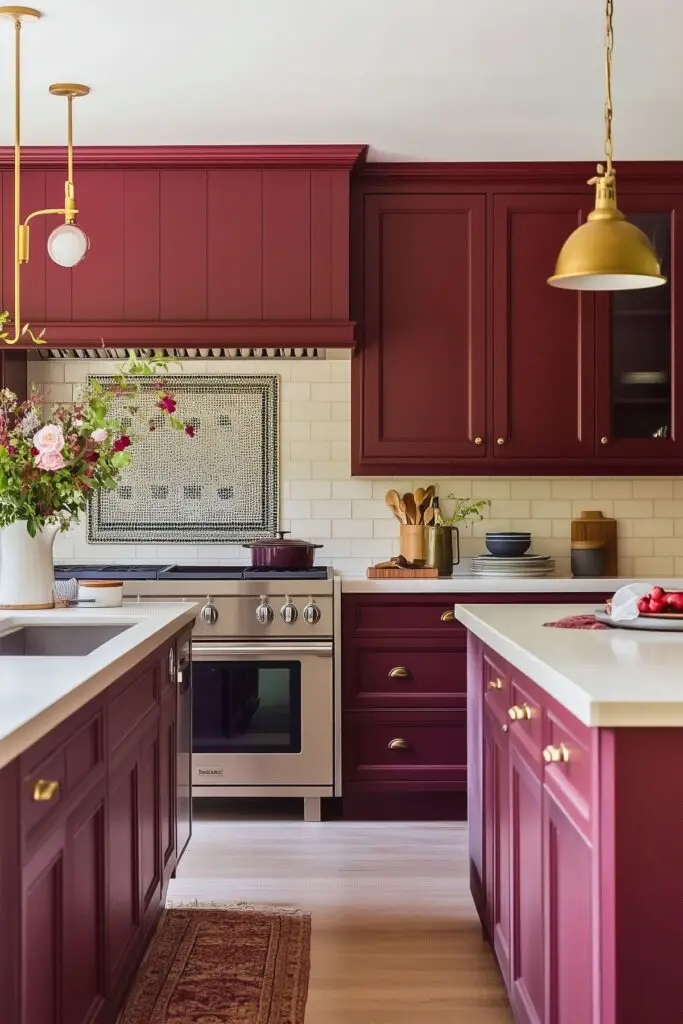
(607, 253)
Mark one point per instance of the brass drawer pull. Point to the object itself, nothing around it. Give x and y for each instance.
(519, 713)
(495, 684)
(448, 616)
(553, 755)
(500, 440)
(398, 744)
(604, 440)
(44, 789)
(479, 440)
(400, 672)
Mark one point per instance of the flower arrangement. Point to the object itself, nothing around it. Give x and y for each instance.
(52, 462)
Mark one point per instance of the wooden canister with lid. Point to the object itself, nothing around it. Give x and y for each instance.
(594, 526)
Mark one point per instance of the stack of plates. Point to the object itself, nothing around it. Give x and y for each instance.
(527, 566)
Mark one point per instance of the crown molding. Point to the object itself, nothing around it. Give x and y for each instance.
(550, 175)
(344, 157)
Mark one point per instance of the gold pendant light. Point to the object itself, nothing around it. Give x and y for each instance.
(67, 244)
(607, 253)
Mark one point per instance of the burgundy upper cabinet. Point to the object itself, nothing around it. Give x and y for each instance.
(542, 338)
(639, 379)
(420, 378)
(223, 246)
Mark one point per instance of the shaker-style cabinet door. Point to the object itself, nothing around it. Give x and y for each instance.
(419, 378)
(568, 911)
(44, 893)
(527, 982)
(497, 836)
(542, 337)
(639, 407)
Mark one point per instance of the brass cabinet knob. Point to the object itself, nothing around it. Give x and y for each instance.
(44, 789)
(495, 684)
(478, 440)
(519, 713)
(604, 440)
(398, 744)
(500, 440)
(553, 755)
(400, 672)
(448, 616)
(505, 728)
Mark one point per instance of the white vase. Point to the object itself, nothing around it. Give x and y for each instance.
(26, 567)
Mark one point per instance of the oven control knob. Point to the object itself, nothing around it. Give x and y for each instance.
(209, 613)
(288, 611)
(264, 613)
(311, 612)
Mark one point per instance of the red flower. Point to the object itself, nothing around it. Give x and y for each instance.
(166, 403)
(34, 452)
(189, 430)
(11, 450)
(121, 443)
(91, 456)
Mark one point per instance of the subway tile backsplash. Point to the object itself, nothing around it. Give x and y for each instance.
(322, 502)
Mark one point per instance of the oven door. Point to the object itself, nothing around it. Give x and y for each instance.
(262, 714)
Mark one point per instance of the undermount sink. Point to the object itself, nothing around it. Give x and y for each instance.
(65, 641)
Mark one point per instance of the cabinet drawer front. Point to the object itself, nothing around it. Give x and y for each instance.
(130, 705)
(427, 746)
(496, 685)
(385, 615)
(527, 731)
(405, 677)
(570, 780)
(48, 779)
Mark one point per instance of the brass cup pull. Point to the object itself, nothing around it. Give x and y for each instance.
(604, 440)
(519, 713)
(500, 440)
(554, 755)
(479, 440)
(398, 744)
(44, 789)
(399, 672)
(495, 684)
(448, 616)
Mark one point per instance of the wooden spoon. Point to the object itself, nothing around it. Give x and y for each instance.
(410, 507)
(425, 504)
(428, 516)
(418, 495)
(392, 500)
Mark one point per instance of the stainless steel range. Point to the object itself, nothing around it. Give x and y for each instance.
(263, 709)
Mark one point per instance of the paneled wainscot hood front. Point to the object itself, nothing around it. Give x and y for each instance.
(195, 247)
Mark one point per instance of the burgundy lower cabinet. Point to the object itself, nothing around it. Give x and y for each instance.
(573, 863)
(83, 872)
(404, 700)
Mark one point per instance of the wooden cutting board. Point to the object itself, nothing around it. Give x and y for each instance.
(595, 526)
(402, 574)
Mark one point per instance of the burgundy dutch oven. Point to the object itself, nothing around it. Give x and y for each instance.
(282, 552)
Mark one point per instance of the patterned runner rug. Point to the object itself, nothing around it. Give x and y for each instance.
(246, 965)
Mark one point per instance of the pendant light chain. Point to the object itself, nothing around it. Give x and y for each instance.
(609, 48)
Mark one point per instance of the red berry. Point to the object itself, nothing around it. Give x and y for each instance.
(644, 604)
(657, 593)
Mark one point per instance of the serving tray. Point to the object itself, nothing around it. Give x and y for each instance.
(651, 621)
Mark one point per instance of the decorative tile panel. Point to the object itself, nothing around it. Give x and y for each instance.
(221, 486)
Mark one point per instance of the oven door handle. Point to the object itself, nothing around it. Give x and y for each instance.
(208, 652)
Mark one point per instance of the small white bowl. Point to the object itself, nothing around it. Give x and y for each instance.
(101, 593)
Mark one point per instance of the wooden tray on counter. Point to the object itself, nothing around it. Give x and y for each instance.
(396, 573)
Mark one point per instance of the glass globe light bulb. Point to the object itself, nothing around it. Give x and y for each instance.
(67, 245)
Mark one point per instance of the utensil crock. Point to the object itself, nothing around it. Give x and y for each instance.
(413, 545)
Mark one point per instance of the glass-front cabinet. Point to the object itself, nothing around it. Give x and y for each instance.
(639, 394)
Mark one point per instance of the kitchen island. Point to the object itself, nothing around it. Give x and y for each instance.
(88, 797)
(575, 769)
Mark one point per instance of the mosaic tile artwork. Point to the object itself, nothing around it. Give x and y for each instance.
(222, 486)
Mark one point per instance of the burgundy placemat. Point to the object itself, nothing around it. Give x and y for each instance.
(577, 622)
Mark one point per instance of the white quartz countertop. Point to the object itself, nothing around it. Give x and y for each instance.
(604, 677)
(461, 583)
(38, 693)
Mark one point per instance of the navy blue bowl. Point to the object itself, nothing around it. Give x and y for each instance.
(512, 547)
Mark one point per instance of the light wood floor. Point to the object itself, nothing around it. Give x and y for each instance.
(395, 936)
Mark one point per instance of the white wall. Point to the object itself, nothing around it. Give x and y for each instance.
(321, 502)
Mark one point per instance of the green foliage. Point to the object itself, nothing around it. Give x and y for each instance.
(467, 510)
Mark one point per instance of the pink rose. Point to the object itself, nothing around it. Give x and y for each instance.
(49, 439)
(50, 461)
(99, 435)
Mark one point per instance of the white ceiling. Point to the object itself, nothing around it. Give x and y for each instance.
(417, 79)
